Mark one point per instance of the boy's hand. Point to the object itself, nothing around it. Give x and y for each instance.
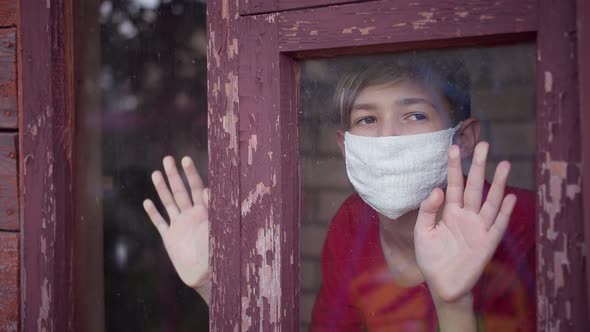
(452, 252)
(186, 237)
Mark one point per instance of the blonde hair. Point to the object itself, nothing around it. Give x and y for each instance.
(448, 77)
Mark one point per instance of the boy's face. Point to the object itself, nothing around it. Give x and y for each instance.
(405, 108)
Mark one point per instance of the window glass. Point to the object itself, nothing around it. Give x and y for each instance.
(344, 276)
(140, 95)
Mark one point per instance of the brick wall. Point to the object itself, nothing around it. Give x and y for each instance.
(502, 93)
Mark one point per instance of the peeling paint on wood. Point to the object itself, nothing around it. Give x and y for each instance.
(8, 109)
(233, 49)
(9, 213)
(562, 306)
(548, 82)
(224, 214)
(249, 7)
(583, 33)
(9, 290)
(362, 31)
(259, 179)
(397, 21)
(46, 181)
(268, 186)
(46, 298)
(254, 197)
(268, 248)
(230, 120)
(252, 146)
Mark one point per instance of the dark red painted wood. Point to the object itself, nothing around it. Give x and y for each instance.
(561, 282)
(483, 41)
(9, 290)
(583, 32)
(8, 182)
(8, 114)
(269, 184)
(46, 177)
(290, 199)
(249, 7)
(8, 12)
(386, 22)
(376, 26)
(224, 172)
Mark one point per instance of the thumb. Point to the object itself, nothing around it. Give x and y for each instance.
(428, 209)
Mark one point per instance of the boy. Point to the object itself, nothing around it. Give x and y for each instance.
(399, 255)
(384, 266)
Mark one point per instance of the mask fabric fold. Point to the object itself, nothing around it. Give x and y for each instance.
(394, 174)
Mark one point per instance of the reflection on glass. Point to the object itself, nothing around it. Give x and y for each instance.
(346, 280)
(141, 75)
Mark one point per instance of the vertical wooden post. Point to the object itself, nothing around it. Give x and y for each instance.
(224, 168)
(583, 32)
(46, 166)
(560, 272)
(269, 186)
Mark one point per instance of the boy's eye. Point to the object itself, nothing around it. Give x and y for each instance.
(366, 120)
(417, 117)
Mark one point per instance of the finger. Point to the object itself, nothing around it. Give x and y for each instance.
(503, 219)
(206, 197)
(475, 179)
(179, 192)
(491, 206)
(155, 216)
(454, 177)
(164, 194)
(194, 180)
(428, 210)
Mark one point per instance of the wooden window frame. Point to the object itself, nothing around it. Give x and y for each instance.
(251, 7)
(254, 174)
(583, 32)
(253, 112)
(46, 178)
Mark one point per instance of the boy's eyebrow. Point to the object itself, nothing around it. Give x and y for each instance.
(364, 106)
(413, 101)
(398, 102)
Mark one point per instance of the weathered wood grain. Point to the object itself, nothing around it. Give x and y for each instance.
(46, 159)
(583, 25)
(8, 12)
(474, 41)
(9, 289)
(224, 169)
(263, 72)
(387, 22)
(249, 7)
(269, 186)
(8, 182)
(561, 281)
(8, 109)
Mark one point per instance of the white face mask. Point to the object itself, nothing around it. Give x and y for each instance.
(395, 174)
